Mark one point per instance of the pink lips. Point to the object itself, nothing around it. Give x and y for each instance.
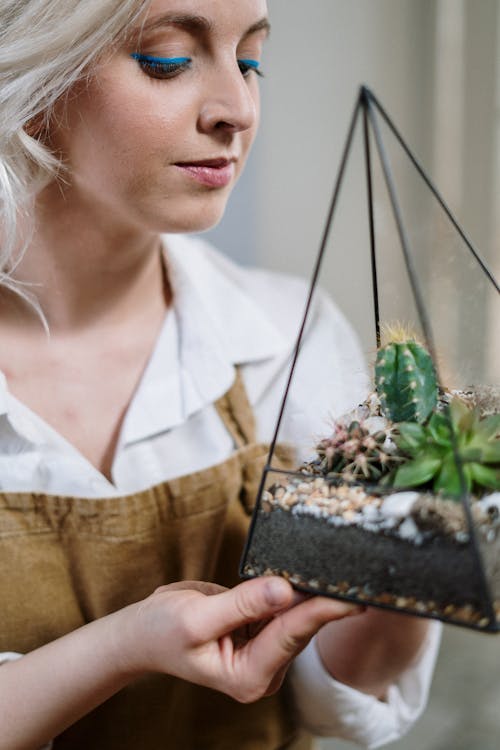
(214, 173)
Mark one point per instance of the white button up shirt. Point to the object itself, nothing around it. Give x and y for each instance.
(224, 315)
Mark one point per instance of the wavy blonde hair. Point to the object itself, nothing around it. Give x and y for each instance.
(45, 47)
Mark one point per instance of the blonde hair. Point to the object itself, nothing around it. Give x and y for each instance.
(45, 47)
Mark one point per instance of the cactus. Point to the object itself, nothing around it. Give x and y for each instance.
(405, 378)
(354, 452)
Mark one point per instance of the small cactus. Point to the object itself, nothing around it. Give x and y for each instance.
(405, 378)
(353, 452)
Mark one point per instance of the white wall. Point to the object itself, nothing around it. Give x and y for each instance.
(319, 54)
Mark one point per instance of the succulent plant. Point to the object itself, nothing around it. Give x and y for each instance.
(411, 433)
(405, 378)
(353, 452)
(432, 456)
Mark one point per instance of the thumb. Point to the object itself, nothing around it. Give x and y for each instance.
(248, 602)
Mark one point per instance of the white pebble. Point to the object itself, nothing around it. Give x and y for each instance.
(409, 530)
(375, 424)
(490, 501)
(399, 504)
(370, 512)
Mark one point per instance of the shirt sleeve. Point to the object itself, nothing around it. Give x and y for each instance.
(328, 708)
(8, 656)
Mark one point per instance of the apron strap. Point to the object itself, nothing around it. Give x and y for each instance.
(236, 413)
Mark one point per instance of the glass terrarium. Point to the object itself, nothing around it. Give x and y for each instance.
(390, 495)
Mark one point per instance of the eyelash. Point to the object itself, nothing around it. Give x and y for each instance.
(247, 66)
(168, 67)
(162, 67)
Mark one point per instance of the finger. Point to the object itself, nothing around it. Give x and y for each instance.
(277, 679)
(299, 597)
(203, 587)
(248, 602)
(287, 634)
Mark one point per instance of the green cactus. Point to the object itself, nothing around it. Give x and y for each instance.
(405, 379)
(353, 452)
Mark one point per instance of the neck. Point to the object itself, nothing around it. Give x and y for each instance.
(87, 271)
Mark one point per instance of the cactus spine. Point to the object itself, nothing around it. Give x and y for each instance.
(405, 379)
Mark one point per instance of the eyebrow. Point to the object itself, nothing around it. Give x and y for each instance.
(262, 25)
(197, 24)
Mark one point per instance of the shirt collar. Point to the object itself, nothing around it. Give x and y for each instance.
(19, 431)
(214, 324)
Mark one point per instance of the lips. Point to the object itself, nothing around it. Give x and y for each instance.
(214, 173)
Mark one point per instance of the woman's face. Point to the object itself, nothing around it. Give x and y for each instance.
(158, 137)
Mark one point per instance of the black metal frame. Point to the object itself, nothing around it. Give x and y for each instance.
(368, 109)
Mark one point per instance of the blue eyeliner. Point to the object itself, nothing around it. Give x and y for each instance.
(169, 67)
(160, 60)
(254, 64)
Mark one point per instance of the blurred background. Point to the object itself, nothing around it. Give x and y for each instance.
(435, 67)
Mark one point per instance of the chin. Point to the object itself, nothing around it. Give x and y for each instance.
(200, 218)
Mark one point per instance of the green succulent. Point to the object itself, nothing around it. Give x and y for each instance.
(431, 455)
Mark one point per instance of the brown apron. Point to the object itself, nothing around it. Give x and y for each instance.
(66, 561)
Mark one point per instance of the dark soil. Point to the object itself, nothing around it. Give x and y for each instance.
(439, 570)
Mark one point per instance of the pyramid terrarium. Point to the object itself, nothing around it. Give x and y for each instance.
(394, 499)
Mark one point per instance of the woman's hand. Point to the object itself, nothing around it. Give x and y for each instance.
(239, 641)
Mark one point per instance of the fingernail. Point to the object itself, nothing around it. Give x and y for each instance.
(277, 592)
(356, 609)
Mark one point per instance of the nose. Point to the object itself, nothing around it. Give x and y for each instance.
(230, 102)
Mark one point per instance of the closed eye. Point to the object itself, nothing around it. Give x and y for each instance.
(247, 66)
(161, 67)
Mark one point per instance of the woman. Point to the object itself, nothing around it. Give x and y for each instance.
(133, 435)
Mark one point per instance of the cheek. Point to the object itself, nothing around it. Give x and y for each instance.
(116, 142)
(121, 134)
